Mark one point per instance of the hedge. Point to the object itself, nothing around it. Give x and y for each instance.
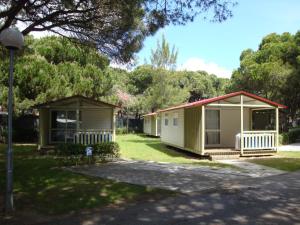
(290, 137)
(75, 154)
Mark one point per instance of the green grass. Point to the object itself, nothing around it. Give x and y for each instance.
(39, 185)
(141, 147)
(288, 161)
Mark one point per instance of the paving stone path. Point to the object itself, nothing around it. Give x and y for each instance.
(182, 178)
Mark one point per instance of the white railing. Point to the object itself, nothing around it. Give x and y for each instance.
(87, 137)
(254, 140)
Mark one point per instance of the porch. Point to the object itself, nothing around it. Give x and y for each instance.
(233, 120)
(76, 119)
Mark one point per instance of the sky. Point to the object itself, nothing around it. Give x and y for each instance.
(216, 47)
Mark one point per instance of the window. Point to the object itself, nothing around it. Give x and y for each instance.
(63, 125)
(212, 127)
(175, 119)
(166, 119)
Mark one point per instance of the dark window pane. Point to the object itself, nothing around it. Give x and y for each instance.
(58, 135)
(71, 120)
(58, 119)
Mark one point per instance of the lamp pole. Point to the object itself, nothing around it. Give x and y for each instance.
(12, 39)
(9, 204)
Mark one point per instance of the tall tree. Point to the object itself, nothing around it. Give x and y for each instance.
(273, 71)
(116, 27)
(43, 74)
(163, 57)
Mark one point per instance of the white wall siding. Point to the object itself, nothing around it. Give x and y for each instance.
(147, 125)
(170, 134)
(96, 119)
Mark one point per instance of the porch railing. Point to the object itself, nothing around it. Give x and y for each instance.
(87, 137)
(254, 140)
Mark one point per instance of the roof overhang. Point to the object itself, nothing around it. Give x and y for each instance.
(61, 100)
(224, 97)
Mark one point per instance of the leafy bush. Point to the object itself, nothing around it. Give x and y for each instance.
(121, 130)
(108, 148)
(75, 154)
(68, 149)
(290, 137)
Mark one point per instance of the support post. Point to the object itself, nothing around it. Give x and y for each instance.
(277, 127)
(77, 120)
(113, 125)
(242, 125)
(202, 149)
(156, 125)
(9, 204)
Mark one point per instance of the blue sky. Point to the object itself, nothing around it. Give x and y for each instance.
(216, 47)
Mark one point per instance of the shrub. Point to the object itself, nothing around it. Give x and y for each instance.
(68, 149)
(121, 130)
(294, 134)
(107, 149)
(75, 154)
(290, 137)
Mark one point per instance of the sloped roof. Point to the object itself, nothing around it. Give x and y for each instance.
(74, 97)
(215, 99)
(150, 114)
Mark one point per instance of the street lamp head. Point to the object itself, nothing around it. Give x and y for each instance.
(11, 38)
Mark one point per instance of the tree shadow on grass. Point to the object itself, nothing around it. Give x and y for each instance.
(40, 185)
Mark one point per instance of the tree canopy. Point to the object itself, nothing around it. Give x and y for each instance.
(163, 57)
(115, 27)
(273, 71)
(54, 67)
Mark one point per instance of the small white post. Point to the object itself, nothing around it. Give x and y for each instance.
(202, 149)
(277, 127)
(242, 125)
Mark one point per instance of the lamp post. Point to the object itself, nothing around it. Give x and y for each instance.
(13, 40)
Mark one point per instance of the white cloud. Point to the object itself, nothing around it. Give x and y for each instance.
(196, 64)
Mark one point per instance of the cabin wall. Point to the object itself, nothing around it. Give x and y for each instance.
(173, 134)
(44, 122)
(230, 125)
(192, 129)
(153, 125)
(147, 125)
(96, 119)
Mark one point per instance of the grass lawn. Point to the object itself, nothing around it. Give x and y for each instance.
(142, 147)
(40, 186)
(288, 161)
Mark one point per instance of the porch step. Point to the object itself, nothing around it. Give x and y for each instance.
(259, 152)
(222, 154)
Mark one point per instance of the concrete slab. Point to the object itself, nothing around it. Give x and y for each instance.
(253, 169)
(295, 147)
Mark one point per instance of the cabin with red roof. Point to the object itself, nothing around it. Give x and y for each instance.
(238, 123)
(152, 124)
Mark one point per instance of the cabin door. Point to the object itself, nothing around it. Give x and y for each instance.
(212, 127)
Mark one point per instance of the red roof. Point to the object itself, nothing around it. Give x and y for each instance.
(211, 100)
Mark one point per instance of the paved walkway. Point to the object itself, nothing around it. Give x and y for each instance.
(253, 169)
(182, 178)
(266, 201)
(295, 147)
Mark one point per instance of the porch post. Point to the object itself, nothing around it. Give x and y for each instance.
(77, 122)
(202, 148)
(277, 127)
(242, 125)
(77, 116)
(155, 125)
(113, 125)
